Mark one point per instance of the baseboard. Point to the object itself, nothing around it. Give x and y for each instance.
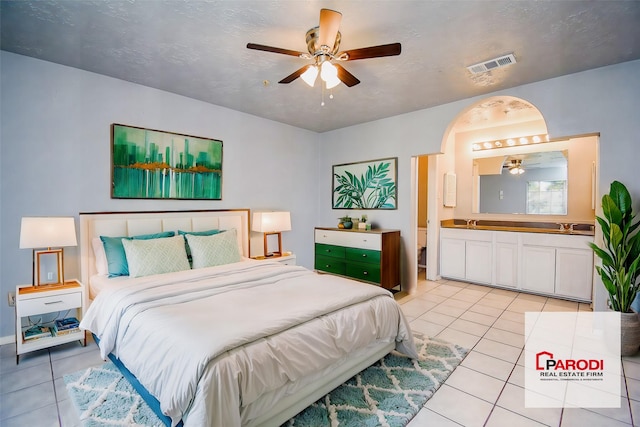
(9, 339)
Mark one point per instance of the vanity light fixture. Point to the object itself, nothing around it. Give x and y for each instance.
(510, 142)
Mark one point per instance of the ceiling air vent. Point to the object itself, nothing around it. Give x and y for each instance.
(489, 65)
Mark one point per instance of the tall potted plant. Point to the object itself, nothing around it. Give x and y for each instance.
(620, 256)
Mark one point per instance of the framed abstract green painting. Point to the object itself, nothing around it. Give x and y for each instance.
(153, 164)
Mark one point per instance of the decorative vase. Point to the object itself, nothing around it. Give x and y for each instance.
(347, 224)
(629, 334)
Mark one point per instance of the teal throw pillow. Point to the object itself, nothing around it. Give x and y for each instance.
(116, 257)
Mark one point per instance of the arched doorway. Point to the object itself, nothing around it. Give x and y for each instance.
(493, 118)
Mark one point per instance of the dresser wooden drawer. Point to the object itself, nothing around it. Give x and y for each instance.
(364, 271)
(330, 250)
(49, 304)
(363, 255)
(353, 239)
(330, 265)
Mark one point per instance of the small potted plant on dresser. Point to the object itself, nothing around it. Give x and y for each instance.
(620, 256)
(345, 222)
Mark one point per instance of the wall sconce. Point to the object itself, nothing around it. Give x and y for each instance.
(510, 142)
(271, 223)
(47, 232)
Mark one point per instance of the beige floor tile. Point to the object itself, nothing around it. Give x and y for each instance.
(460, 338)
(509, 325)
(446, 290)
(428, 418)
(521, 306)
(517, 376)
(499, 303)
(488, 365)
(476, 317)
(578, 417)
(505, 337)
(448, 402)
(469, 327)
(512, 399)
(46, 416)
(431, 298)
(512, 316)
(501, 417)
(486, 310)
(498, 350)
(531, 297)
(414, 308)
(631, 368)
(476, 384)
(426, 328)
(438, 318)
(449, 310)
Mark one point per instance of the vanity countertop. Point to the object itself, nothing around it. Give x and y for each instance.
(581, 229)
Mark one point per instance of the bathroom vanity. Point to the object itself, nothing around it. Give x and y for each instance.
(546, 259)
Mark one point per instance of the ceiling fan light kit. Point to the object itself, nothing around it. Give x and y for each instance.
(323, 45)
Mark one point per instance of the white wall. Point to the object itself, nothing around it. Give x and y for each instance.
(55, 157)
(604, 100)
(55, 150)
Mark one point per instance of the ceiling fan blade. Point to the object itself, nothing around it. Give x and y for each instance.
(346, 77)
(273, 49)
(372, 52)
(329, 26)
(291, 77)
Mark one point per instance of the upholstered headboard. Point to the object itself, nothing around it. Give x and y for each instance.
(96, 224)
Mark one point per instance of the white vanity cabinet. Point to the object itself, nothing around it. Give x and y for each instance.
(544, 263)
(466, 255)
(506, 255)
(558, 264)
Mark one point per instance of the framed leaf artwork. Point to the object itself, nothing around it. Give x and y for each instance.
(366, 185)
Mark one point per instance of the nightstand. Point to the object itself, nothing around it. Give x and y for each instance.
(44, 305)
(287, 259)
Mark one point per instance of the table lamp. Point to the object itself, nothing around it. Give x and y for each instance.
(271, 223)
(52, 233)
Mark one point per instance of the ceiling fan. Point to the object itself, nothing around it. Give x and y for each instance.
(323, 44)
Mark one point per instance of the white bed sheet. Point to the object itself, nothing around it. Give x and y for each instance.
(210, 343)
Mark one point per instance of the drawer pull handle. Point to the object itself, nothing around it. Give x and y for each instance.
(365, 272)
(327, 266)
(327, 250)
(364, 255)
(53, 302)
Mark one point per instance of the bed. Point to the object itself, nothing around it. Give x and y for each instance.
(233, 341)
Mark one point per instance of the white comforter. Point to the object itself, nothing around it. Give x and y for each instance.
(208, 343)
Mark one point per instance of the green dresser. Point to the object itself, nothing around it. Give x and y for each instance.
(372, 256)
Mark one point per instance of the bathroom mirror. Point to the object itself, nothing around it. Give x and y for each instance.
(529, 183)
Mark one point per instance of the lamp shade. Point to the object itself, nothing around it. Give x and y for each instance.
(271, 222)
(47, 232)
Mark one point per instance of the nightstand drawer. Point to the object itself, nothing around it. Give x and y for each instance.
(49, 303)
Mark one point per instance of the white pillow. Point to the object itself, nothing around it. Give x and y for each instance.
(100, 256)
(218, 249)
(155, 256)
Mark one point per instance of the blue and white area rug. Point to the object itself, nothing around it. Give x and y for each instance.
(389, 393)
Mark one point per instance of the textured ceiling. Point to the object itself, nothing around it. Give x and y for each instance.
(198, 49)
